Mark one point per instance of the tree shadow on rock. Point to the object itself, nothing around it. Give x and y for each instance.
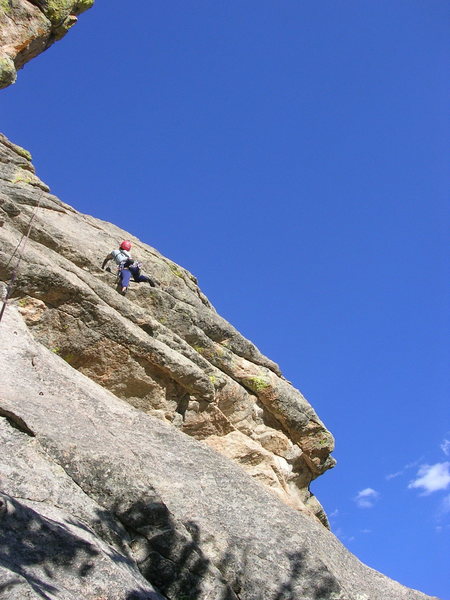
(167, 552)
(172, 557)
(235, 566)
(32, 545)
(170, 554)
(316, 583)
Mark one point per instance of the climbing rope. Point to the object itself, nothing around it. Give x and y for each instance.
(15, 272)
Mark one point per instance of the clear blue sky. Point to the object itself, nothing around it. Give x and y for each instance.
(292, 155)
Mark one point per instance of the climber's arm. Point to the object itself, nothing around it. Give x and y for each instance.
(106, 261)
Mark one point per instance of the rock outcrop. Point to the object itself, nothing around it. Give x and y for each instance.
(102, 501)
(28, 27)
(165, 350)
(148, 450)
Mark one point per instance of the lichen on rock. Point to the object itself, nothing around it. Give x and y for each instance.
(5, 6)
(57, 11)
(7, 71)
(28, 27)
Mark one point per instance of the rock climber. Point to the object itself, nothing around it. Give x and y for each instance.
(127, 267)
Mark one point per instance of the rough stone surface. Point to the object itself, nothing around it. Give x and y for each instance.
(94, 489)
(28, 27)
(47, 553)
(165, 350)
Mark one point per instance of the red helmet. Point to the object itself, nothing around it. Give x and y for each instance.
(125, 245)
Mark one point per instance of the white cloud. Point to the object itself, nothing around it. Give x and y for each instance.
(432, 478)
(445, 447)
(344, 537)
(366, 498)
(394, 475)
(405, 468)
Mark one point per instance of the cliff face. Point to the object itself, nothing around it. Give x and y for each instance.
(164, 350)
(102, 495)
(100, 501)
(28, 27)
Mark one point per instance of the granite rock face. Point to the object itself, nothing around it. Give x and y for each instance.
(148, 450)
(28, 27)
(101, 501)
(164, 350)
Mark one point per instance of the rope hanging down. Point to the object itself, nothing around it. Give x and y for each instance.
(10, 285)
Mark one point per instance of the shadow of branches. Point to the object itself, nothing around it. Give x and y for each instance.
(171, 555)
(29, 540)
(167, 553)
